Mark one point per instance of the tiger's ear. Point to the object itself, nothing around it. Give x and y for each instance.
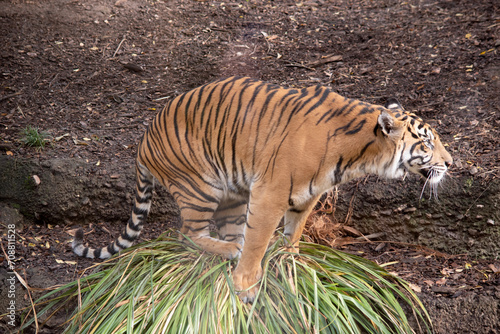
(390, 126)
(393, 103)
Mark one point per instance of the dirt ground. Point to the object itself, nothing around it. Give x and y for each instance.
(92, 74)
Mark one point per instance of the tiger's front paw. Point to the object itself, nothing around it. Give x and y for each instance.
(246, 283)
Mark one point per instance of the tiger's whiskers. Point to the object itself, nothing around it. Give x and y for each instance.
(433, 186)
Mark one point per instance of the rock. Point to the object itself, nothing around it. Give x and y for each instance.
(410, 210)
(10, 216)
(386, 212)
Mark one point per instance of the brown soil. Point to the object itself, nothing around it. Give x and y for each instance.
(92, 74)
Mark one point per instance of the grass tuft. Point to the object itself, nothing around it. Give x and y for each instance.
(166, 286)
(33, 137)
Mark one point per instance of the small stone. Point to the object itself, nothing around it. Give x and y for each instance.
(428, 215)
(120, 185)
(386, 212)
(490, 222)
(410, 210)
(472, 232)
(473, 170)
(85, 200)
(437, 216)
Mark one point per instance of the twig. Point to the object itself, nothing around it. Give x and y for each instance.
(300, 66)
(477, 198)
(123, 127)
(9, 96)
(162, 98)
(371, 236)
(119, 45)
(325, 60)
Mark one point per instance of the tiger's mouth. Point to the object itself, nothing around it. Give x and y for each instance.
(433, 174)
(425, 172)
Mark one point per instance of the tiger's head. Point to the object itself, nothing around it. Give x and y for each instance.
(418, 145)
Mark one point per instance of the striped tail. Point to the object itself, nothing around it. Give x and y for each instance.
(142, 204)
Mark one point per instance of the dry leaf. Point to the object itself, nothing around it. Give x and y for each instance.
(80, 142)
(65, 262)
(442, 281)
(351, 230)
(61, 137)
(415, 287)
(429, 282)
(72, 232)
(494, 268)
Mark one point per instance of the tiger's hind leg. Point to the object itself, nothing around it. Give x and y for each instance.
(198, 206)
(230, 219)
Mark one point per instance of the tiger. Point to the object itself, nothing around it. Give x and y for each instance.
(245, 155)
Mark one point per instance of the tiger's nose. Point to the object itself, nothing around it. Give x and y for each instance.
(448, 163)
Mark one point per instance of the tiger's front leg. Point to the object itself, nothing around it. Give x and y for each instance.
(264, 215)
(295, 221)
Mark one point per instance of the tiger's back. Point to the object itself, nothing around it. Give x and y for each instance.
(246, 154)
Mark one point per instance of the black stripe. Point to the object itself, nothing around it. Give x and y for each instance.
(127, 237)
(234, 205)
(352, 161)
(338, 170)
(366, 110)
(357, 128)
(196, 220)
(132, 226)
(375, 129)
(117, 243)
(142, 212)
(320, 102)
(295, 210)
(192, 229)
(197, 208)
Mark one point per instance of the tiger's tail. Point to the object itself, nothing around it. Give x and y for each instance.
(142, 205)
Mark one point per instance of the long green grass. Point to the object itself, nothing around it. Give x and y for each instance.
(166, 286)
